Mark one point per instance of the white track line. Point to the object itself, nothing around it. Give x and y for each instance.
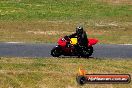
(124, 44)
(14, 42)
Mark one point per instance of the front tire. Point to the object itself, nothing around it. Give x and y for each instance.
(56, 52)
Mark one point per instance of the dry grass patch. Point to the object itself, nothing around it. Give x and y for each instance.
(50, 31)
(58, 72)
(117, 2)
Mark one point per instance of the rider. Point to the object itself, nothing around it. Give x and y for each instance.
(81, 38)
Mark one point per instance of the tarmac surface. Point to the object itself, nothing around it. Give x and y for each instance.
(43, 50)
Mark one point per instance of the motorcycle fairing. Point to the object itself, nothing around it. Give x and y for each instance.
(92, 41)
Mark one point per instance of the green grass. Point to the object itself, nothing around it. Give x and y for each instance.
(58, 72)
(63, 10)
(47, 20)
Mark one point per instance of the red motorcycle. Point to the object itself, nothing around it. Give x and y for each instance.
(67, 47)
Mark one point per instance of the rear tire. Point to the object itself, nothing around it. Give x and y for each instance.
(56, 52)
(87, 52)
(90, 49)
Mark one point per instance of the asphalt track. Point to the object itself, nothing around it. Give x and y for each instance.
(43, 50)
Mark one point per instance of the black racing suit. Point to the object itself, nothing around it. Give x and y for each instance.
(82, 41)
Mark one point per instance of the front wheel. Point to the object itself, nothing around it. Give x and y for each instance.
(56, 52)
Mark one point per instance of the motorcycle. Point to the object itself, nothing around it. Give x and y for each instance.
(66, 47)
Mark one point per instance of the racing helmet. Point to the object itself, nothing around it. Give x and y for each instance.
(79, 30)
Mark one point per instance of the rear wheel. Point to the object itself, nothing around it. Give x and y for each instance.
(56, 52)
(90, 50)
(87, 51)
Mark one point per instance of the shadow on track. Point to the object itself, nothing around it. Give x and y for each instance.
(67, 57)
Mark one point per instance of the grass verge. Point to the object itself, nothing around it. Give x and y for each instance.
(58, 72)
(64, 10)
(46, 20)
(107, 32)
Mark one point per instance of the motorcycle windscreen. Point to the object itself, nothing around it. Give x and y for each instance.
(73, 41)
(61, 43)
